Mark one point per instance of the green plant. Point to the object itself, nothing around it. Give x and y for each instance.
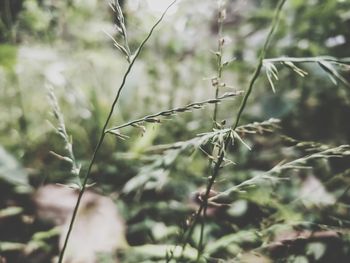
(131, 59)
(223, 179)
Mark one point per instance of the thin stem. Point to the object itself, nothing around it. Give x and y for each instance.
(207, 192)
(103, 133)
(227, 140)
(204, 204)
(191, 106)
(260, 62)
(307, 59)
(219, 59)
(219, 68)
(201, 235)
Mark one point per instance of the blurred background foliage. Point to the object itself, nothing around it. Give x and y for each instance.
(61, 45)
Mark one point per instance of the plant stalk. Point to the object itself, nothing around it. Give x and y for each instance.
(227, 141)
(103, 132)
(219, 69)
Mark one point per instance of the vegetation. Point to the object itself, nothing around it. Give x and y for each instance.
(209, 131)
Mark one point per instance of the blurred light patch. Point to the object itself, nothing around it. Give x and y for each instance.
(335, 41)
(303, 44)
(54, 74)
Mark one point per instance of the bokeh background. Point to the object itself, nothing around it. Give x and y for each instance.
(62, 47)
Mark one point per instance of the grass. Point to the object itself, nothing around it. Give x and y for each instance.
(104, 129)
(247, 172)
(227, 136)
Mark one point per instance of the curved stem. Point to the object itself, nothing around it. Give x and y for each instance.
(103, 133)
(219, 61)
(227, 140)
(260, 62)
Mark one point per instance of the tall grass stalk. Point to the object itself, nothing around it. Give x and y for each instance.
(222, 148)
(217, 84)
(104, 129)
(260, 62)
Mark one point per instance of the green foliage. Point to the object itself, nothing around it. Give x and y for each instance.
(11, 171)
(8, 56)
(204, 161)
(34, 18)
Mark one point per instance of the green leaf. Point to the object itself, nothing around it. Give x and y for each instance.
(11, 246)
(10, 211)
(236, 238)
(316, 249)
(11, 171)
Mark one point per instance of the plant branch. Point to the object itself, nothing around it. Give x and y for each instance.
(300, 163)
(326, 63)
(166, 113)
(103, 133)
(308, 59)
(219, 67)
(216, 82)
(260, 62)
(228, 139)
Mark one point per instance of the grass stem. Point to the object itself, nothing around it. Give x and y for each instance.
(103, 133)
